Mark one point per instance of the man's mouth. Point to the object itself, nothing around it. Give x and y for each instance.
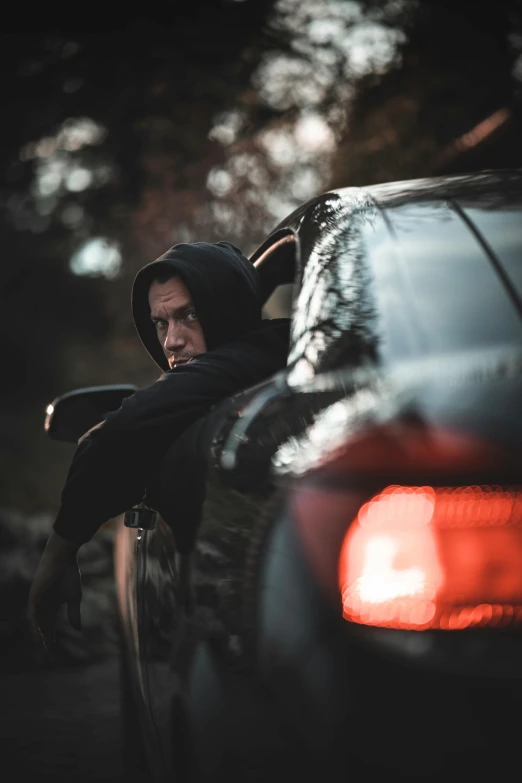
(179, 362)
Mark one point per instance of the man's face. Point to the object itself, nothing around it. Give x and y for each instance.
(173, 313)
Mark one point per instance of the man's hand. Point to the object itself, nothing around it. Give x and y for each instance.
(57, 581)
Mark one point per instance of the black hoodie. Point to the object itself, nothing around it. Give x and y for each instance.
(115, 463)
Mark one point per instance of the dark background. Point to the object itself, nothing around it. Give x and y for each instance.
(206, 121)
(123, 134)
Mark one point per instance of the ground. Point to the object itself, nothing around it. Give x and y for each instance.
(62, 724)
(58, 723)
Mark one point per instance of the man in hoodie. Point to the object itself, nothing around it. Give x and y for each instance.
(197, 311)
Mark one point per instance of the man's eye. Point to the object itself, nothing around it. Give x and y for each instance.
(160, 324)
(192, 316)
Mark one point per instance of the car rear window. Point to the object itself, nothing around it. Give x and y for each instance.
(502, 230)
(435, 289)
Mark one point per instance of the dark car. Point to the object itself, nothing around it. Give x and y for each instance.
(344, 596)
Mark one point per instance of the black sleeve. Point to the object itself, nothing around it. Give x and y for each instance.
(112, 466)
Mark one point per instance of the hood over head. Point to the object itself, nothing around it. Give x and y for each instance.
(224, 286)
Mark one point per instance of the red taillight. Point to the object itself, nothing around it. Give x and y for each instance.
(425, 557)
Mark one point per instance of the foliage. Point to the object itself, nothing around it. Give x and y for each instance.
(208, 121)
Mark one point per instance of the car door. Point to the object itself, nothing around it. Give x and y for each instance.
(159, 628)
(163, 626)
(189, 588)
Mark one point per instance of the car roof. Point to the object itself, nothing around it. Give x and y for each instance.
(488, 204)
(490, 189)
(495, 189)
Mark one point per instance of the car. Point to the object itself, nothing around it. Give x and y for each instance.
(344, 595)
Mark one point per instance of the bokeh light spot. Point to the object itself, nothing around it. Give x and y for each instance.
(97, 257)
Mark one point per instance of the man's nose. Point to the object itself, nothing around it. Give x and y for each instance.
(175, 339)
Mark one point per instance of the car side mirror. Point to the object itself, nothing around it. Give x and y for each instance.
(70, 415)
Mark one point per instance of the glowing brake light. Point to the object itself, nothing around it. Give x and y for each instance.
(424, 557)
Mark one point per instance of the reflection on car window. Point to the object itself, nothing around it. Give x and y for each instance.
(408, 282)
(438, 291)
(502, 230)
(334, 319)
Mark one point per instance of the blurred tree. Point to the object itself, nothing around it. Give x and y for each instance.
(123, 135)
(451, 103)
(104, 157)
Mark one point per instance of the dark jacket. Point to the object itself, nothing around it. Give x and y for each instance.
(119, 458)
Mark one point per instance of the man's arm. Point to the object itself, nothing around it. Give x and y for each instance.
(109, 472)
(57, 580)
(114, 463)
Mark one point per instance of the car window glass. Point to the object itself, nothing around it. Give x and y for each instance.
(333, 320)
(502, 230)
(279, 304)
(396, 324)
(436, 290)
